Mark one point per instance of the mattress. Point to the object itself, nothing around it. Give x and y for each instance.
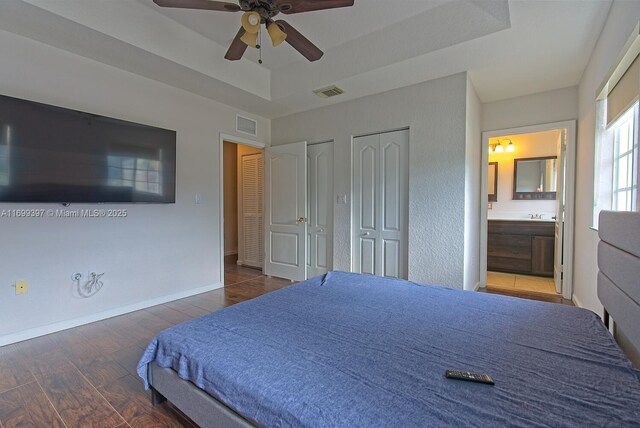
(354, 350)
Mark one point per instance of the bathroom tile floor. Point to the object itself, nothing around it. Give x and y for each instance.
(509, 281)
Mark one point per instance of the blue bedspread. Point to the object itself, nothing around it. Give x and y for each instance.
(358, 351)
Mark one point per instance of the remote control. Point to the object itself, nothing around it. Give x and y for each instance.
(471, 377)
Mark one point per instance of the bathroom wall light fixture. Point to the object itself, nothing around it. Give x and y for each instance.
(499, 148)
(510, 147)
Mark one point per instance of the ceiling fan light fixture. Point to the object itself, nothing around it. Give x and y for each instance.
(250, 39)
(258, 12)
(276, 34)
(251, 22)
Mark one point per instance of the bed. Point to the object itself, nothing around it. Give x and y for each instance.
(353, 350)
(619, 276)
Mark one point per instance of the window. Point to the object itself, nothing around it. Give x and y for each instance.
(616, 154)
(616, 166)
(625, 161)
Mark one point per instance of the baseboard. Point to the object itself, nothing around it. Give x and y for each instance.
(250, 266)
(231, 253)
(576, 301)
(65, 325)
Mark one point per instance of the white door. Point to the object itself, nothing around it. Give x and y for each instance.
(251, 177)
(560, 203)
(380, 204)
(320, 209)
(286, 203)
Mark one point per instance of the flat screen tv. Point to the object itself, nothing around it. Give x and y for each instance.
(53, 154)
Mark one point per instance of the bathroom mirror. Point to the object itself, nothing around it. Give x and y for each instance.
(535, 178)
(492, 181)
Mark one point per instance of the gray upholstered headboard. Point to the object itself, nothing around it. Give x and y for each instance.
(619, 275)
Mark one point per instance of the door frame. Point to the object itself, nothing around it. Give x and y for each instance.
(569, 188)
(235, 140)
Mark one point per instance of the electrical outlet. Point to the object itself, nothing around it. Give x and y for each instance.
(22, 286)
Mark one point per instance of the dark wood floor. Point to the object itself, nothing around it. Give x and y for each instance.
(86, 376)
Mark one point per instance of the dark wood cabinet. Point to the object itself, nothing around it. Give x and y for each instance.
(525, 247)
(542, 255)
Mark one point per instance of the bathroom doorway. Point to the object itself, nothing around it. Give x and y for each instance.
(527, 215)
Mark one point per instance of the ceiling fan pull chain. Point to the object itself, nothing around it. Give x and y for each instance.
(260, 46)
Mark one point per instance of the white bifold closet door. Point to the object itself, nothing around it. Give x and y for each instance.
(252, 203)
(380, 204)
(320, 209)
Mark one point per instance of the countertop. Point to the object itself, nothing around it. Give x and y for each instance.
(544, 220)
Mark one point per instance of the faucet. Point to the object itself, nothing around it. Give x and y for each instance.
(535, 216)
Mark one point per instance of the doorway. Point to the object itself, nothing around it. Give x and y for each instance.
(242, 202)
(527, 215)
(299, 210)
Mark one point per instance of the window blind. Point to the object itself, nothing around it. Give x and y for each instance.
(624, 93)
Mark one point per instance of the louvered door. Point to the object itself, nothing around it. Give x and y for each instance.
(252, 210)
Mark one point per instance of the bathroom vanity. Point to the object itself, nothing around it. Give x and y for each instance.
(521, 246)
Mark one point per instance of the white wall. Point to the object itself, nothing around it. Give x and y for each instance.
(472, 191)
(158, 250)
(436, 115)
(545, 107)
(623, 17)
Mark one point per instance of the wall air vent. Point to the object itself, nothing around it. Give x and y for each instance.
(328, 92)
(246, 125)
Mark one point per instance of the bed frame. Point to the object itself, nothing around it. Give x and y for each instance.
(618, 290)
(619, 277)
(197, 404)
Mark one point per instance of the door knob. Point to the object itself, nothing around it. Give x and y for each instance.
(301, 219)
(365, 234)
(320, 230)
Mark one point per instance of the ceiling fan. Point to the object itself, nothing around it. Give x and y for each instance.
(258, 12)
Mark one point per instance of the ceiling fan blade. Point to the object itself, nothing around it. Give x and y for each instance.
(298, 6)
(300, 42)
(237, 48)
(199, 4)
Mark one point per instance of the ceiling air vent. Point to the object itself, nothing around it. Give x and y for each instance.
(329, 92)
(246, 125)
